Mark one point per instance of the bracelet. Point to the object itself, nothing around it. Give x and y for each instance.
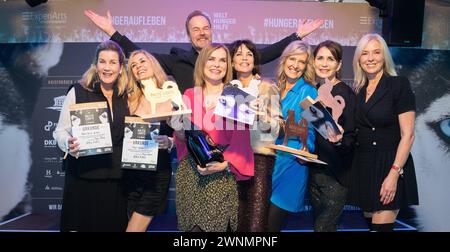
(298, 36)
(171, 144)
(338, 143)
(397, 169)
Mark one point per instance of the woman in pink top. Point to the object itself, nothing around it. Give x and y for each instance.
(207, 198)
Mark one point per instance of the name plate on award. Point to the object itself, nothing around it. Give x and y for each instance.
(140, 151)
(90, 125)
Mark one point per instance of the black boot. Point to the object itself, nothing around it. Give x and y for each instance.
(385, 227)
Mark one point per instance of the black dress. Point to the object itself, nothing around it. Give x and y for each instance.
(147, 190)
(93, 197)
(377, 139)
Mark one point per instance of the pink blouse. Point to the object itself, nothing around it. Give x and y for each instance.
(224, 132)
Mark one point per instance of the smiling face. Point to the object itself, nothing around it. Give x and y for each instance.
(108, 66)
(295, 66)
(325, 64)
(372, 59)
(216, 66)
(140, 66)
(200, 32)
(243, 60)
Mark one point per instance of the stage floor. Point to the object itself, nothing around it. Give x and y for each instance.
(350, 221)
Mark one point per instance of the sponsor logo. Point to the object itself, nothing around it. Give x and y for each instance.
(53, 188)
(53, 160)
(45, 18)
(48, 174)
(370, 21)
(60, 173)
(50, 143)
(50, 126)
(57, 103)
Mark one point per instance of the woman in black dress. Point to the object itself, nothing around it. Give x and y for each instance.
(384, 179)
(93, 199)
(147, 191)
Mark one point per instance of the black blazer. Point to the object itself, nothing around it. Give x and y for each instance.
(180, 63)
(377, 125)
(339, 157)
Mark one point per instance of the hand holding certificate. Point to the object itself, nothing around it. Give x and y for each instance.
(140, 150)
(90, 125)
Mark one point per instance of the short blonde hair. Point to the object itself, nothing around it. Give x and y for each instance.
(91, 78)
(360, 77)
(159, 76)
(199, 74)
(295, 47)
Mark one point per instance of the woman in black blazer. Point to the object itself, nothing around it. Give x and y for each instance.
(384, 178)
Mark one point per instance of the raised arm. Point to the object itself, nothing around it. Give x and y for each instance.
(102, 22)
(271, 52)
(106, 25)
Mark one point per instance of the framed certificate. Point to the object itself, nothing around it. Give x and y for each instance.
(90, 125)
(140, 151)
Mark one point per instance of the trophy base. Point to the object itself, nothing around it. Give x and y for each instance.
(292, 151)
(163, 116)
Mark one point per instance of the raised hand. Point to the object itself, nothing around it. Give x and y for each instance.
(306, 27)
(102, 22)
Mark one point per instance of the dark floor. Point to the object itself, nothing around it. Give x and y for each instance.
(350, 221)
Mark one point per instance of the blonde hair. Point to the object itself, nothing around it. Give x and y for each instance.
(294, 48)
(90, 77)
(159, 76)
(199, 74)
(360, 77)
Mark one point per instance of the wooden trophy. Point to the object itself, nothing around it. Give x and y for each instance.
(165, 102)
(293, 129)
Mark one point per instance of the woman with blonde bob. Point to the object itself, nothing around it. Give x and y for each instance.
(295, 78)
(384, 179)
(207, 197)
(147, 190)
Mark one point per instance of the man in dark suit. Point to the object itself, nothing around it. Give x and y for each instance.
(180, 63)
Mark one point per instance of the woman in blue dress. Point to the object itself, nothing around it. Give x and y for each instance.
(295, 75)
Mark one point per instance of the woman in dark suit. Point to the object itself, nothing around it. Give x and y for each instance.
(328, 183)
(384, 178)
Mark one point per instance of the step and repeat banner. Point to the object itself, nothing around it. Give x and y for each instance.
(45, 49)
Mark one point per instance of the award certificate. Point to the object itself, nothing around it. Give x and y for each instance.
(90, 125)
(140, 151)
